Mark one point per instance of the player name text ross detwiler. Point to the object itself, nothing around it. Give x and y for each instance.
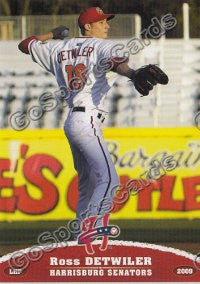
(105, 260)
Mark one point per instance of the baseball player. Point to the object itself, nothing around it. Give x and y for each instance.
(83, 66)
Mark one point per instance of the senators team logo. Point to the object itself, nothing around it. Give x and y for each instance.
(99, 10)
(90, 233)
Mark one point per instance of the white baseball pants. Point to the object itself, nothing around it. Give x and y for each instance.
(97, 177)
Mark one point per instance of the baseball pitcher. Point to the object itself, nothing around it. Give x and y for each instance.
(82, 66)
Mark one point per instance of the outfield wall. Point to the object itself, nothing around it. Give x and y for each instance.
(38, 181)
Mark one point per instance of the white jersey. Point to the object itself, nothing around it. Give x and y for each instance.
(76, 64)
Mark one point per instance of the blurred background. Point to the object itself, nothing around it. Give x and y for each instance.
(169, 109)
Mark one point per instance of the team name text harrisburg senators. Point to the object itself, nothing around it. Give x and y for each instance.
(101, 266)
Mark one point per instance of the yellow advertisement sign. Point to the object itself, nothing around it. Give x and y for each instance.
(159, 172)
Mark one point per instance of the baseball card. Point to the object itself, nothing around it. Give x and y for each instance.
(100, 141)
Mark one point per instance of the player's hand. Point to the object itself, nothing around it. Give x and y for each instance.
(60, 32)
(146, 77)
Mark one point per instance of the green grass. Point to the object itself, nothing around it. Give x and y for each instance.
(176, 230)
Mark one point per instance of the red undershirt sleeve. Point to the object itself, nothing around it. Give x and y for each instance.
(23, 45)
(116, 61)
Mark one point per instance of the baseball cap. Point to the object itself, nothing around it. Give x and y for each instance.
(91, 15)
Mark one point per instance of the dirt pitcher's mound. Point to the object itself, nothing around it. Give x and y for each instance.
(120, 261)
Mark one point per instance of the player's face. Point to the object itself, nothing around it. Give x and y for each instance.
(100, 29)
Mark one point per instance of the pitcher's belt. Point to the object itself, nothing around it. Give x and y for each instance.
(82, 108)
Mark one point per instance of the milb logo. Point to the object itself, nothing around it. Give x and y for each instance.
(90, 232)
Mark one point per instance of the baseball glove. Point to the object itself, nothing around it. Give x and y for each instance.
(60, 32)
(146, 77)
